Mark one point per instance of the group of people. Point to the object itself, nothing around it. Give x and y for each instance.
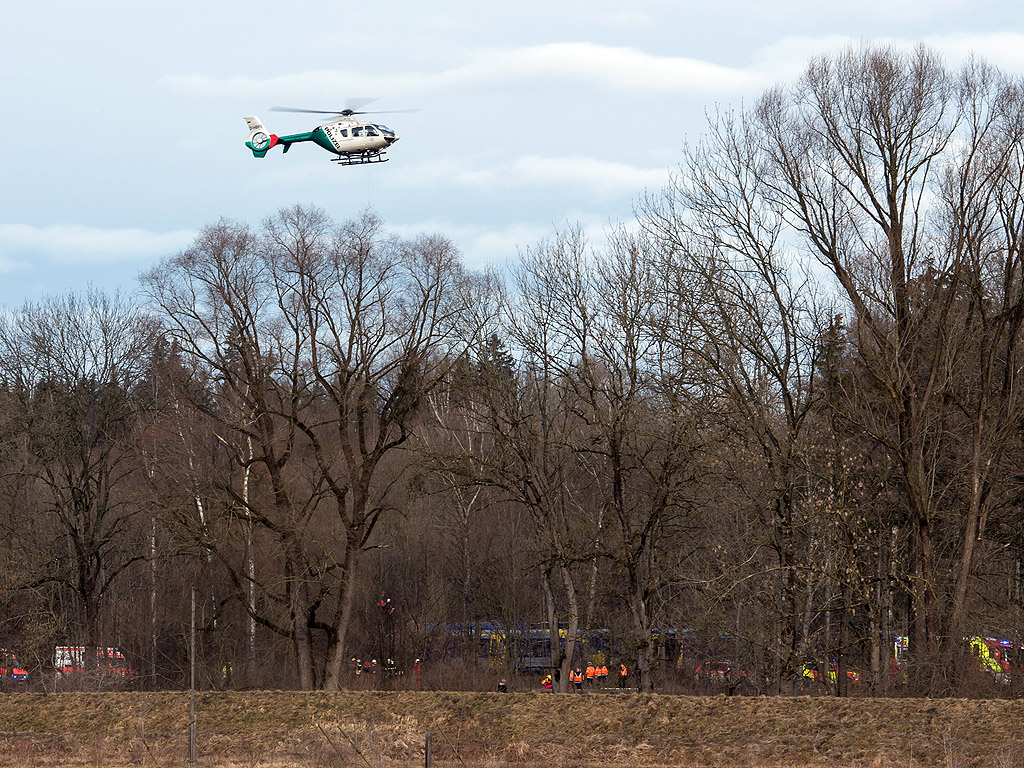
(595, 676)
(359, 669)
(358, 666)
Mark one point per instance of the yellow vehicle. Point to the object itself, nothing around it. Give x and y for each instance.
(999, 658)
(994, 656)
(821, 672)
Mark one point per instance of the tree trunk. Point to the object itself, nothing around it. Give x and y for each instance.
(875, 643)
(302, 641)
(642, 627)
(555, 646)
(336, 650)
(250, 567)
(571, 630)
(844, 639)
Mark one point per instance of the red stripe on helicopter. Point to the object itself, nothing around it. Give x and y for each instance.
(273, 140)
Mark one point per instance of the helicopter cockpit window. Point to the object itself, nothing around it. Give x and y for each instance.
(357, 131)
(370, 131)
(344, 133)
(385, 130)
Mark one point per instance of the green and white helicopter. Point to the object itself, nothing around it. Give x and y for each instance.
(353, 141)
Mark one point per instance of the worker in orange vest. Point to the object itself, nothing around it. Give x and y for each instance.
(591, 671)
(603, 672)
(577, 679)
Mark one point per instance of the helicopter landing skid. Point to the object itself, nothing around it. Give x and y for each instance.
(376, 157)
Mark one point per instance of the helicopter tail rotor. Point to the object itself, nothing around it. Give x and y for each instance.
(260, 139)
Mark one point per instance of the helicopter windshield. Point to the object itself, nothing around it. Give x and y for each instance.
(370, 131)
(385, 130)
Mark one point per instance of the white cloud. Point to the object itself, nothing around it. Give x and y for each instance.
(503, 245)
(481, 245)
(71, 244)
(617, 68)
(594, 174)
(7, 264)
(497, 246)
(842, 10)
(445, 171)
(584, 174)
(614, 68)
(623, 68)
(786, 59)
(1004, 49)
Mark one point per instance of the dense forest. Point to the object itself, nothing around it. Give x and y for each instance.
(774, 418)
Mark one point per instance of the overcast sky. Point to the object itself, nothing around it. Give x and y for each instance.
(124, 134)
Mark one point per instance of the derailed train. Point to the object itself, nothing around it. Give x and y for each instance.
(705, 658)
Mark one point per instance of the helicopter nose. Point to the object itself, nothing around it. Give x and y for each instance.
(391, 140)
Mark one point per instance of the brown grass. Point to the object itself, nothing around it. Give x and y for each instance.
(480, 730)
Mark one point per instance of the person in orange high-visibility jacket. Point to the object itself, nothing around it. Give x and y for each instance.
(623, 674)
(577, 679)
(603, 672)
(590, 674)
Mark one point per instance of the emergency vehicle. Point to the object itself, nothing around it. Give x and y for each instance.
(1000, 658)
(70, 660)
(996, 657)
(9, 668)
(813, 672)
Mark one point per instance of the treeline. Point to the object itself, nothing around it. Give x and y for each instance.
(781, 406)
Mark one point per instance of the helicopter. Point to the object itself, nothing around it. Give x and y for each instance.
(353, 141)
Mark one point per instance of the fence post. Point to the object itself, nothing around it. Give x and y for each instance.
(428, 758)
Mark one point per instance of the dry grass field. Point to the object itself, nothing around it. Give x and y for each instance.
(479, 730)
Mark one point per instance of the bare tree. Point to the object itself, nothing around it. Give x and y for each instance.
(522, 408)
(643, 392)
(326, 341)
(850, 156)
(759, 326)
(982, 219)
(68, 366)
(597, 438)
(849, 164)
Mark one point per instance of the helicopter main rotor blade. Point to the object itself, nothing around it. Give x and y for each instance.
(350, 106)
(345, 112)
(309, 111)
